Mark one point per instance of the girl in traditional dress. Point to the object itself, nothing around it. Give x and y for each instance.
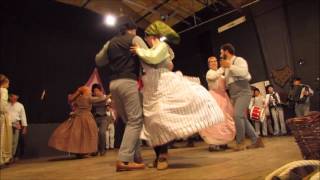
(5, 123)
(222, 133)
(173, 107)
(78, 134)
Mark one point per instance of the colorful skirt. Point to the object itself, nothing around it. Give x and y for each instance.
(225, 131)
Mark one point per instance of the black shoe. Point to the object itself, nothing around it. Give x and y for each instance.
(94, 154)
(81, 156)
(224, 147)
(172, 147)
(213, 148)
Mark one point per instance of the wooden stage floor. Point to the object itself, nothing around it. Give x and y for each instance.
(185, 163)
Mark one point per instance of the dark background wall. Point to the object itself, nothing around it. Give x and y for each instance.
(303, 24)
(200, 43)
(277, 33)
(45, 45)
(48, 46)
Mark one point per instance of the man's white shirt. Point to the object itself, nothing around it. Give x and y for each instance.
(238, 70)
(17, 113)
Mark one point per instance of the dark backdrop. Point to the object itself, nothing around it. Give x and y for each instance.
(45, 45)
(51, 46)
(48, 46)
(276, 33)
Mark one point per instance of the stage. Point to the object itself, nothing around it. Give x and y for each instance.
(184, 163)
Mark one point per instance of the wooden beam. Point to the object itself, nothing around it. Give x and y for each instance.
(85, 3)
(155, 8)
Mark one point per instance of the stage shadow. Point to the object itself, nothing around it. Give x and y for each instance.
(199, 161)
(182, 166)
(68, 158)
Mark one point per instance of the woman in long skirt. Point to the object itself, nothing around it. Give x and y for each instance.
(173, 107)
(79, 133)
(5, 123)
(222, 133)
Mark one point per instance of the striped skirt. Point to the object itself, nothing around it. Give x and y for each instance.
(175, 107)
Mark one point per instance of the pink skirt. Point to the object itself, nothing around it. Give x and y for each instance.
(225, 131)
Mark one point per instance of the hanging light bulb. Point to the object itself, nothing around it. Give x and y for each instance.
(110, 20)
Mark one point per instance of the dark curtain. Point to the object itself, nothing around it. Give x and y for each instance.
(275, 43)
(289, 33)
(46, 45)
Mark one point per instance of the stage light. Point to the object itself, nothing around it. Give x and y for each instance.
(110, 20)
(163, 38)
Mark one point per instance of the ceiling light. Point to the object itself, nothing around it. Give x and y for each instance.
(110, 20)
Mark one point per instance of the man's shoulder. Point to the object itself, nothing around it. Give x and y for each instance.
(136, 38)
(238, 58)
(19, 104)
(305, 85)
(123, 38)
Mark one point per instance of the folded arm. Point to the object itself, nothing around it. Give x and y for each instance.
(98, 99)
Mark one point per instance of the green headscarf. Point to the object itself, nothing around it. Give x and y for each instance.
(159, 28)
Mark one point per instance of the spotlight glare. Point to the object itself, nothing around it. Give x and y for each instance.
(163, 38)
(110, 20)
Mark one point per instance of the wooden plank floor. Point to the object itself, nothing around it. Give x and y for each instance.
(185, 163)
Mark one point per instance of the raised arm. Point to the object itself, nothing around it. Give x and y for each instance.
(102, 56)
(154, 55)
(95, 99)
(72, 97)
(138, 41)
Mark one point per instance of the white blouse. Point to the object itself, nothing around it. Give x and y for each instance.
(212, 78)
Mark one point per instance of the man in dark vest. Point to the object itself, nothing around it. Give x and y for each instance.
(125, 68)
(99, 111)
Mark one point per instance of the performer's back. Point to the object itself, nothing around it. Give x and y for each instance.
(123, 63)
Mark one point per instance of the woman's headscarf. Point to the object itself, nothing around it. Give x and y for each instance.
(159, 28)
